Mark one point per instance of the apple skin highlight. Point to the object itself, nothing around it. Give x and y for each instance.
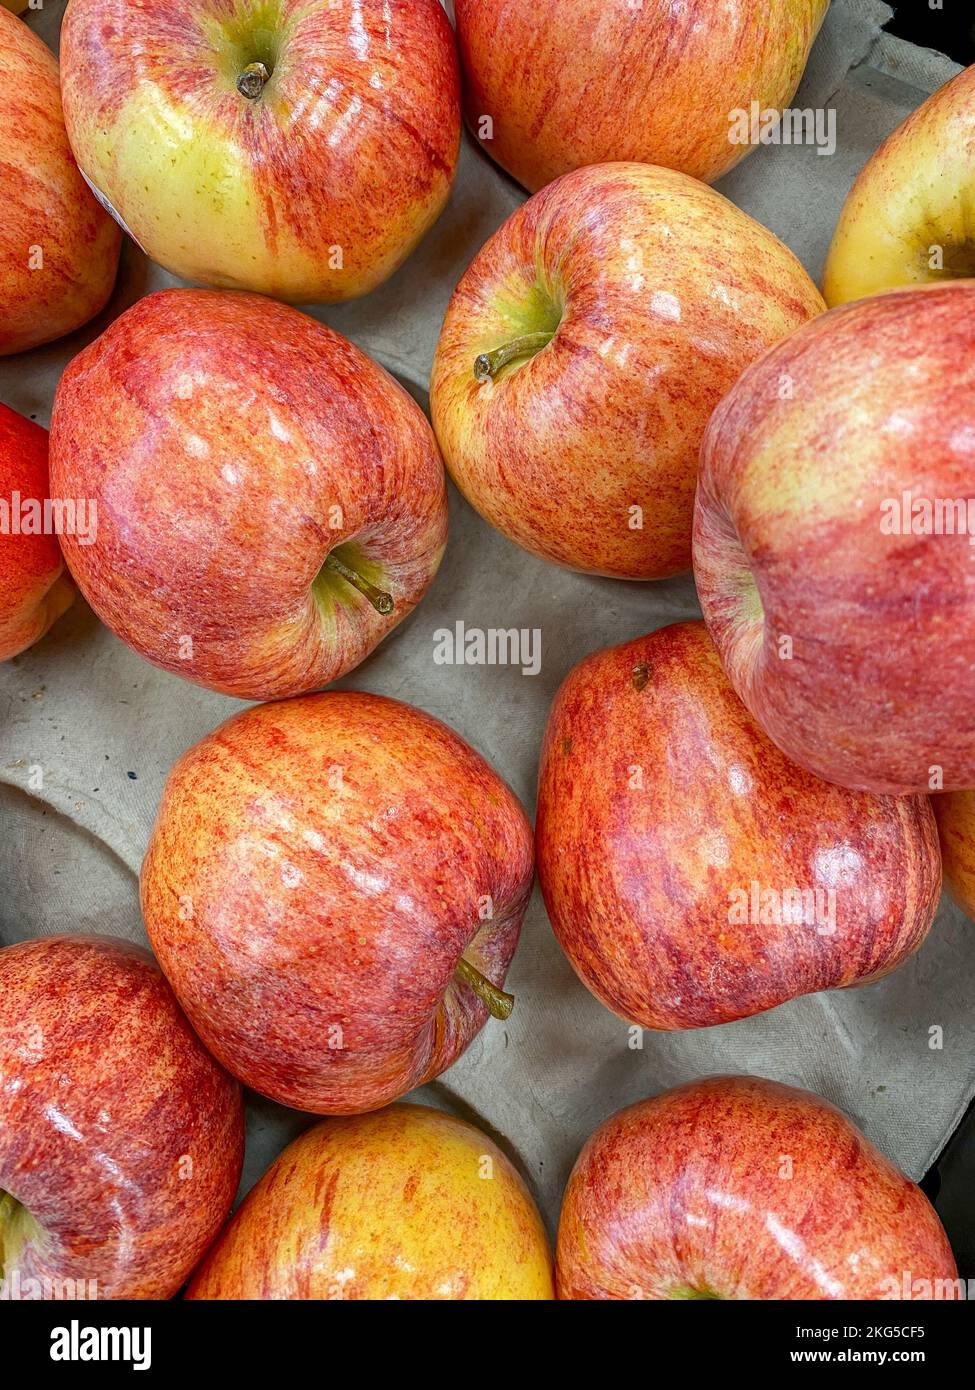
(846, 626)
(121, 1139)
(408, 1203)
(661, 804)
(232, 445)
(317, 869)
(734, 1187)
(314, 191)
(654, 292)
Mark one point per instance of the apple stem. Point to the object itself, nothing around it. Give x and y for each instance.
(499, 1004)
(252, 81)
(380, 600)
(489, 364)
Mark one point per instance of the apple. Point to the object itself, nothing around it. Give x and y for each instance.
(692, 874)
(833, 542)
(908, 218)
(334, 887)
(734, 1187)
(955, 814)
(271, 503)
(295, 147)
(408, 1203)
(58, 250)
(121, 1140)
(584, 350)
(550, 87)
(34, 588)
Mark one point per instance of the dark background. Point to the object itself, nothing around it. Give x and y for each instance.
(950, 30)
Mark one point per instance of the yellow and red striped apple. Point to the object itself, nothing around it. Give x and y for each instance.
(34, 588)
(408, 1203)
(295, 147)
(955, 814)
(270, 502)
(833, 543)
(584, 350)
(121, 1140)
(58, 250)
(734, 1187)
(550, 87)
(910, 217)
(334, 888)
(692, 873)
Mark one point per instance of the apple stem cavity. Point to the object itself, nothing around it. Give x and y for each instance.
(380, 600)
(487, 366)
(498, 1004)
(252, 81)
(8, 1209)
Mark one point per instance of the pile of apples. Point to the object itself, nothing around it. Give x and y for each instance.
(633, 377)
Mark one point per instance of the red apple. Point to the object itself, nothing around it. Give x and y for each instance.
(584, 350)
(735, 1187)
(296, 147)
(58, 250)
(333, 885)
(34, 589)
(692, 874)
(955, 814)
(121, 1140)
(833, 543)
(550, 87)
(271, 503)
(405, 1204)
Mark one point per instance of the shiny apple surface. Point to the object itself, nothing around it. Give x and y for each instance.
(238, 451)
(408, 1203)
(299, 148)
(121, 1139)
(833, 541)
(322, 873)
(692, 873)
(735, 1187)
(583, 352)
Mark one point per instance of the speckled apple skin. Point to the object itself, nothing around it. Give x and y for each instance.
(118, 1132)
(34, 588)
(736, 1187)
(408, 1203)
(915, 193)
(316, 870)
(955, 814)
(659, 797)
(604, 80)
(231, 443)
(663, 292)
(315, 192)
(46, 205)
(872, 400)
